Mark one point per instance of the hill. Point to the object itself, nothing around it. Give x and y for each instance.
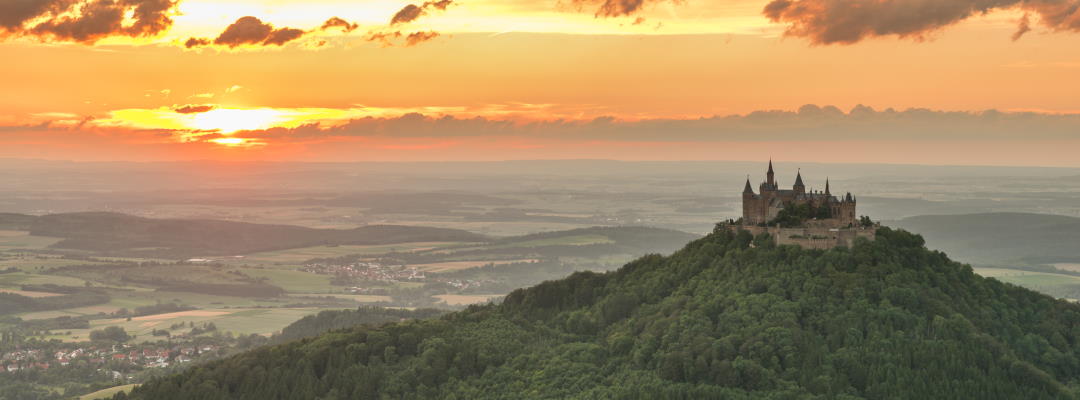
(728, 316)
(1000, 238)
(125, 235)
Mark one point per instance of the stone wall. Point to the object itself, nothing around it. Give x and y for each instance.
(811, 237)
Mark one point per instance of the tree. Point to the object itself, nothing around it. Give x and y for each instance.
(110, 334)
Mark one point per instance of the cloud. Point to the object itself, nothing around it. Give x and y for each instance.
(412, 12)
(850, 21)
(810, 123)
(408, 14)
(85, 21)
(1023, 27)
(416, 38)
(389, 38)
(194, 109)
(196, 42)
(335, 22)
(386, 38)
(616, 8)
(233, 88)
(249, 31)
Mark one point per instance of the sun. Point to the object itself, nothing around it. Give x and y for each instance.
(229, 120)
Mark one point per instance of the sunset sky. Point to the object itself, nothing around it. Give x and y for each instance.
(897, 81)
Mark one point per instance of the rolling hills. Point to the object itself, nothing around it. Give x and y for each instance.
(113, 234)
(1000, 238)
(728, 316)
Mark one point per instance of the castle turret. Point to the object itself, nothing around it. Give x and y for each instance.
(799, 187)
(748, 189)
(827, 187)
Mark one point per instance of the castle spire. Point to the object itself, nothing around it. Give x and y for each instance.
(769, 175)
(827, 186)
(799, 187)
(748, 189)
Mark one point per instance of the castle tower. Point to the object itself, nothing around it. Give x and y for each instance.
(799, 187)
(827, 187)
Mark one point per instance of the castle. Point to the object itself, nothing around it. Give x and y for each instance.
(812, 219)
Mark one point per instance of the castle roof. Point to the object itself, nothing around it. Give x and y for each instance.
(748, 189)
(798, 179)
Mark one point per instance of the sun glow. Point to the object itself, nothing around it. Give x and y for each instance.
(226, 120)
(236, 142)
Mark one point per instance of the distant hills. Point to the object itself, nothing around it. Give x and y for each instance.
(116, 234)
(728, 316)
(1000, 238)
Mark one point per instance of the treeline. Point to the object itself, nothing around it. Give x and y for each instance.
(225, 289)
(314, 325)
(11, 303)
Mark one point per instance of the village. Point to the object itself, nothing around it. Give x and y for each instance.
(113, 359)
(370, 271)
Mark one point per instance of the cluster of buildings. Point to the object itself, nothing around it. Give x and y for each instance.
(370, 271)
(150, 356)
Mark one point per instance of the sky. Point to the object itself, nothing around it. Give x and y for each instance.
(976, 82)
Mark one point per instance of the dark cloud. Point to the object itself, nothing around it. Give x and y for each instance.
(281, 36)
(416, 38)
(390, 38)
(386, 38)
(408, 14)
(616, 8)
(196, 42)
(1022, 28)
(194, 108)
(335, 22)
(252, 31)
(85, 21)
(808, 123)
(411, 12)
(849, 21)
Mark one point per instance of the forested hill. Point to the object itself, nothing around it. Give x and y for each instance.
(729, 316)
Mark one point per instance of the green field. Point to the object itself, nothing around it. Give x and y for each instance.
(23, 240)
(293, 281)
(22, 278)
(259, 321)
(107, 393)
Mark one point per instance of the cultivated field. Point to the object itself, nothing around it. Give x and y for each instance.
(462, 300)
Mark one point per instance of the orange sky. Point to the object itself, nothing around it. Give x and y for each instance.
(532, 76)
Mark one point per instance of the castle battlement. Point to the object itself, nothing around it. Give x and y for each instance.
(812, 219)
